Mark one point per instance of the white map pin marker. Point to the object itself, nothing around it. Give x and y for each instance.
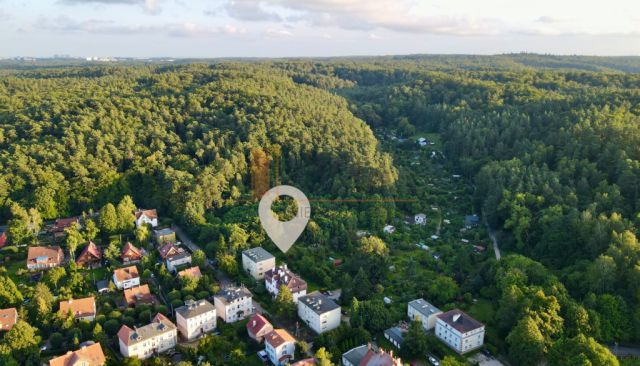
(284, 234)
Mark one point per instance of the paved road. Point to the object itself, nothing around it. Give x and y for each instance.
(625, 351)
(492, 235)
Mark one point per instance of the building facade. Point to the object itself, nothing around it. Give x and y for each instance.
(282, 276)
(257, 261)
(146, 217)
(152, 339)
(82, 309)
(422, 310)
(459, 331)
(319, 312)
(44, 257)
(233, 304)
(280, 347)
(196, 318)
(127, 277)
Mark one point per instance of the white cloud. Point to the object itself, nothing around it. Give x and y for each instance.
(149, 6)
(275, 33)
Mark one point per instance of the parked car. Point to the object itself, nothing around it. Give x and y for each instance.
(263, 356)
(433, 360)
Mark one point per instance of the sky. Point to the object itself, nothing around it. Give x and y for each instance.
(290, 28)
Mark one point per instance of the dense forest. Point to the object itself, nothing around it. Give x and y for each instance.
(550, 145)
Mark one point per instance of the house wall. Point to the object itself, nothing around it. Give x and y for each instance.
(229, 312)
(274, 289)
(428, 323)
(148, 347)
(460, 342)
(143, 220)
(257, 270)
(172, 264)
(287, 348)
(319, 323)
(126, 283)
(193, 327)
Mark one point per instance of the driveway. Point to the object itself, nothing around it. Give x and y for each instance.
(482, 360)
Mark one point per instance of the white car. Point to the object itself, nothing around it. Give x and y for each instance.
(263, 356)
(434, 361)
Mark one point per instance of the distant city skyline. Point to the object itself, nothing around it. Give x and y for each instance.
(315, 28)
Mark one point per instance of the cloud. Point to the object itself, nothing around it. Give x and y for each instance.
(277, 33)
(365, 15)
(109, 27)
(149, 6)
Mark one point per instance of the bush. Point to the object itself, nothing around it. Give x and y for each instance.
(111, 327)
(203, 294)
(144, 316)
(177, 303)
(115, 314)
(174, 295)
(130, 321)
(162, 309)
(101, 319)
(56, 340)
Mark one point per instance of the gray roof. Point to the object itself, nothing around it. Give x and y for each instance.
(318, 302)
(165, 231)
(355, 355)
(394, 333)
(102, 284)
(179, 256)
(194, 308)
(150, 330)
(424, 307)
(231, 294)
(257, 254)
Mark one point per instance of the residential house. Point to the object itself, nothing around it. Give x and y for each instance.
(258, 327)
(91, 256)
(44, 257)
(152, 339)
(164, 236)
(422, 311)
(193, 272)
(60, 225)
(88, 355)
(367, 355)
(459, 331)
(256, 261)
(195, 318)
(389, 229)
(139, 295)
(280, 347)
(233, 304)
(146, 217)
(131, 254)
(420, 219)
(8, 318)
(82, 309)
(305, 362)
(181, 259)
(395, 336)
(319, 312)
(126, 277)
(282, 276)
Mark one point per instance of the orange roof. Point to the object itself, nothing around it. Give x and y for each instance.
(130, 251)
(127, 273)
(191, 272)
(8, 318)
(91, 355)
(152, 214)
(278, 337)
(139, 295)
(50, 255)
(61, 224)
(79, 307)
(305, 362)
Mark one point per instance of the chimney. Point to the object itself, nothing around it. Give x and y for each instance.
(254, 323)
(456, 317)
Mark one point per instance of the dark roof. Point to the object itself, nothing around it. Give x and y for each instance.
(233, 293)
(181, 255)
(318, 302)
(460, 321)
(194, 308)
(394, 333)
(257, 254)
(162, 232)
(102, 284)
(355, 355)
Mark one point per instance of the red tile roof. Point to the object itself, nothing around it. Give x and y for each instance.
(191, 272)
(45, 255)
(379, 358)
(64, 223)
(139, 295)
(152, 329)
(127, 273)
(90, 355)
(278, 337)
(80, 308)
(152, 214)
(3, 239)
(8, 318)
(131, 252)
(90, 253)
(283, 276)
(169, 250)
(257, 323)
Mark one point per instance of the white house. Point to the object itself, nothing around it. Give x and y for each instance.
(179, 259)
(233, 304)
(146, 217)
(154, 338)
(459, 331)
(422, 310)
(319, 312)
(420, 219)
(389, 229)
(280, 347)
(195, 318)
(127, 277)
(257, 261)
(368, 355)
(282, 276)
